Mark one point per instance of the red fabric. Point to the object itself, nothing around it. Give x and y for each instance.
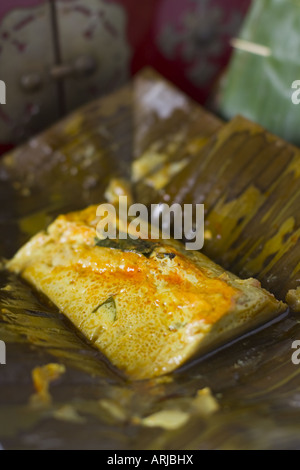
(5, 148)
(168, 12)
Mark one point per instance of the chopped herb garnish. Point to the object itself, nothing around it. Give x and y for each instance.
(139, 246)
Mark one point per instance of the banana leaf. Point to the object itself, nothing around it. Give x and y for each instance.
(170, 129)
(245, 396)
(258, 83)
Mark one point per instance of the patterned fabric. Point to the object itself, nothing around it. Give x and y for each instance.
(95, 29)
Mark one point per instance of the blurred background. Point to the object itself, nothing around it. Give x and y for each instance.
(235, 57)
(56, 55)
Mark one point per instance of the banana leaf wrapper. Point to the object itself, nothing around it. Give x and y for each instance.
(170, 130)
(243, 397)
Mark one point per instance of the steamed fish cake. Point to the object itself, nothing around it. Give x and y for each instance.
(149, 306)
